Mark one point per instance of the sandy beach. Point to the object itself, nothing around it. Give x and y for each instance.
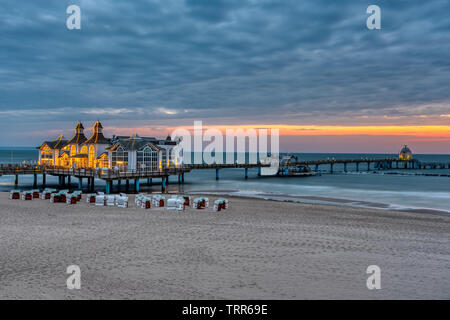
(257, 249)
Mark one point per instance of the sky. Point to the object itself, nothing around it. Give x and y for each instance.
(310, 68)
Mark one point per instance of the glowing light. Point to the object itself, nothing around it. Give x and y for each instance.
(324, 130)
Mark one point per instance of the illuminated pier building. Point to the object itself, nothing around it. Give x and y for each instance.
(405, 153)
(118, 152)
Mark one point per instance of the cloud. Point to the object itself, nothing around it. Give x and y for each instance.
(225, 61)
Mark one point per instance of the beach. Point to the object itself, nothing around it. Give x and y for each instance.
(257, 249)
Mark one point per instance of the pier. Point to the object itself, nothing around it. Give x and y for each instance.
(369, 164)
(293, 168)
(110, 176)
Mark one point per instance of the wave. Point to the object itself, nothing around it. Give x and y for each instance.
(274, 196)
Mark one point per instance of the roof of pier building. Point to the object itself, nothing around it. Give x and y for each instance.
(79, 136)
(405, 153)
(97, 135)
(56, 144)
(134, 142)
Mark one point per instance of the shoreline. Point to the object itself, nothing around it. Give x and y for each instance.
(329, 201)
(323, 201)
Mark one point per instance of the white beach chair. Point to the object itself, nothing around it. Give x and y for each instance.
(122, 202)
(100, 200)
(146, 203)
(90, 197)
(200, 203)
(158, 200)
(172, 203)
(14, 195)
(110, 200)
(71, 198)
(26, 195)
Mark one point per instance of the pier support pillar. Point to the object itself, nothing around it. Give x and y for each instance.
(179, 178)
(35, 180)
(68, 180)
(150, 181)
(127, 185)
(331, 167)
(136, 185)
(217, 174)
(92, 184)
(44, 178)
(259, 171)
(119, 182)
(163, 184)
(317, 168)
(80, 183)
(108, 187)
(246, 173)
(182, 177)
(16, 180)
(368, 166)
(345, 166)
(357, 166)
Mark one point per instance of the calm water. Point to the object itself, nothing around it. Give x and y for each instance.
(394, 191)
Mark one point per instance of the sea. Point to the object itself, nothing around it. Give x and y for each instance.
(402, 190)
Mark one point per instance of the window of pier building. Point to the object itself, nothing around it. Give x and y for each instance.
(103, 161)
(73, 150)
(64, 160)
(149, 158)
(119, 158)
(46, 153)
(84, 149)
(91, 156)
(168, 158)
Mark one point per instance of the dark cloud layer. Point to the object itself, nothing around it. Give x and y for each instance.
(261, 61)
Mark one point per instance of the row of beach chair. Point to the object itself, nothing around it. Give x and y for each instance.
(179, 203)
(175, 202)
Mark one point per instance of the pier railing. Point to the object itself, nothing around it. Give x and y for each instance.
(105, 173)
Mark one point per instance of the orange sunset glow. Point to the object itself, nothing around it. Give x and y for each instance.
(438, 132)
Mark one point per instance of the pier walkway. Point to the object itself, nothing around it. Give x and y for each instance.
(110, 175)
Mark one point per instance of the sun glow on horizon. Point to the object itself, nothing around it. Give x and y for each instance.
(428, 131)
